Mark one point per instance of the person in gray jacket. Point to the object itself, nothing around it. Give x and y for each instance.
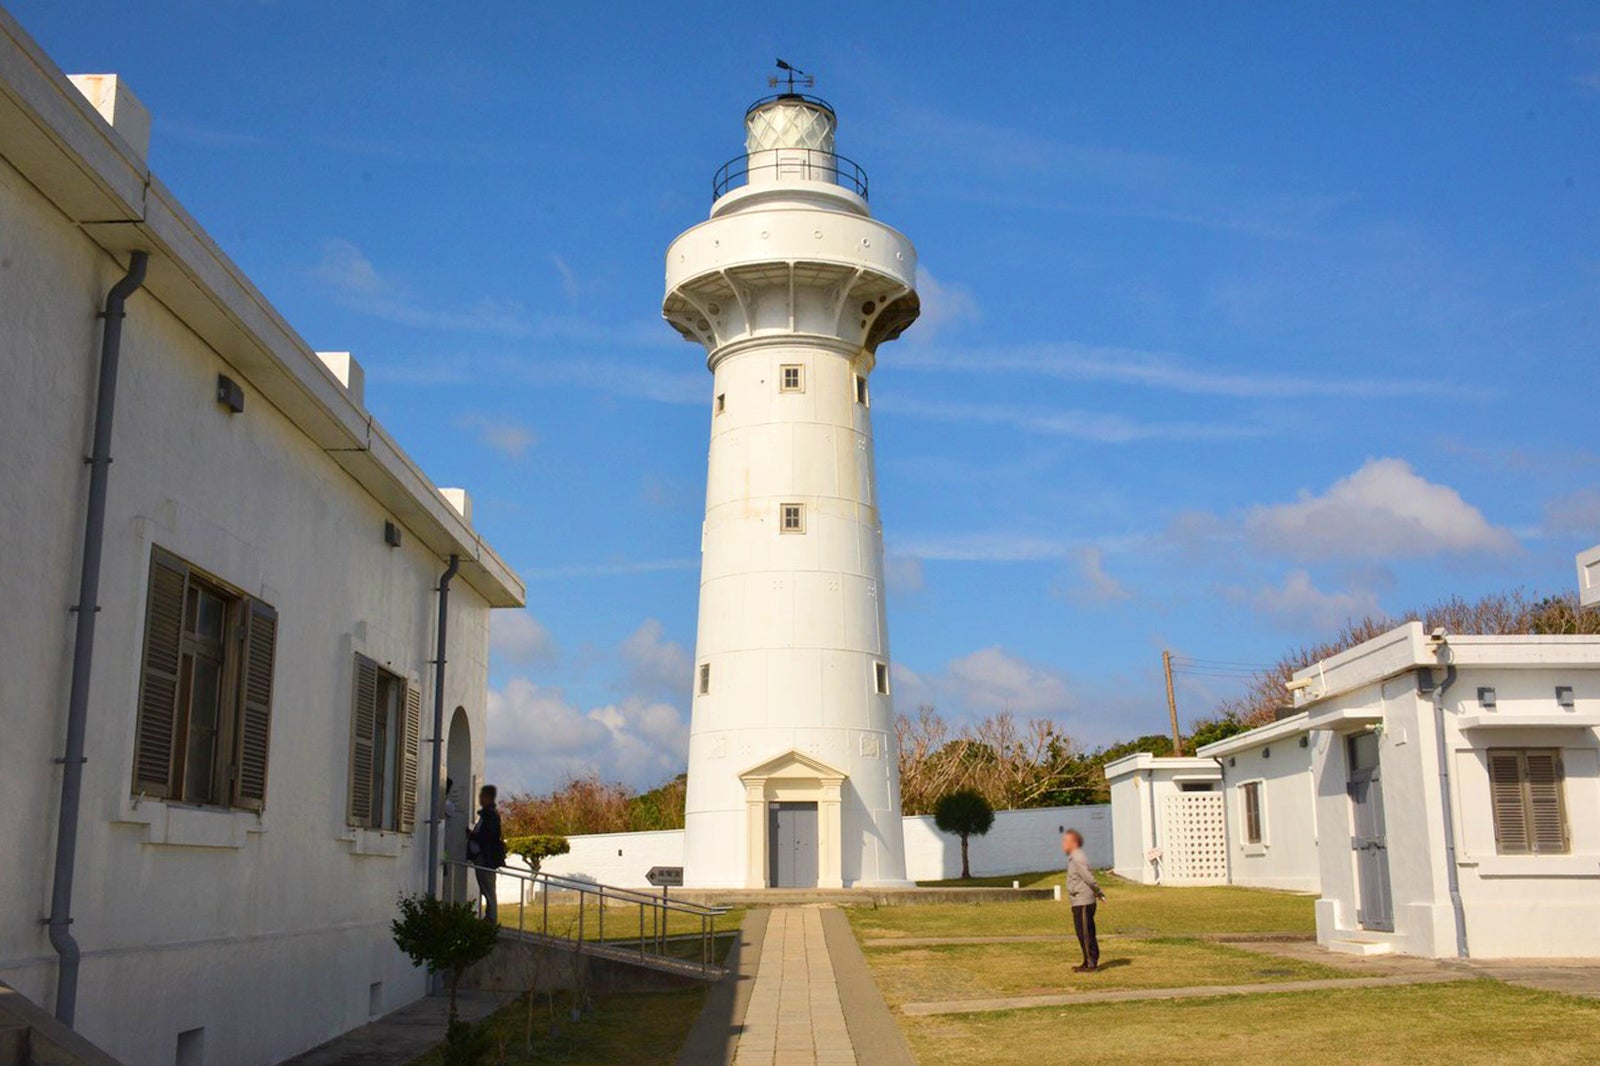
(1083, 891)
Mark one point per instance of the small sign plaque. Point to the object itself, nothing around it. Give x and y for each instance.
(665, 876)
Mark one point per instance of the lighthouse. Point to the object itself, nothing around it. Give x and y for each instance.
(790, 286)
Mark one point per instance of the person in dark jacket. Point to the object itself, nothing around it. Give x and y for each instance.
(486, 850)
(1083, 892)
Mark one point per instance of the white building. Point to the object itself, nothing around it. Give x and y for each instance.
(257, 701)
(1167, 820)
(790, 287)
(1269, 805)
(1458, 794)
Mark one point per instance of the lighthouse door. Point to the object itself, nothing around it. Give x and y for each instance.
(792, 845)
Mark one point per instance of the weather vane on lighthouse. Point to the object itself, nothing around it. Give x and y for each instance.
(796, 76)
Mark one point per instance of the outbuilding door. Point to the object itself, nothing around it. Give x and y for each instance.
(1374, 903)
(792, 845)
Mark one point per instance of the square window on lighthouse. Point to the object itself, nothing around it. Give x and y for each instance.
(791, 379)
(792, 517)
(861, 391)
(880, 674)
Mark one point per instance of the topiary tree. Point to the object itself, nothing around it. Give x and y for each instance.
(964, 812)
(535, 849)
(444, 937)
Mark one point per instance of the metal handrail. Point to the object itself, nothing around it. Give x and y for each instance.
(659, 908)
(814, 101)
(810, 164)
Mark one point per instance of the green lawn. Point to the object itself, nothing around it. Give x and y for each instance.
(622, 921)
(1469, 1023)
(1139, 910)
(639, 1028)
(919, 974)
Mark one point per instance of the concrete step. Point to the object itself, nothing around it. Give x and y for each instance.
(1361, 947)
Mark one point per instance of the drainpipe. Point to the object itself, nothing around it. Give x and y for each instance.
(1452, 874)
(88, 606)
(438, 723)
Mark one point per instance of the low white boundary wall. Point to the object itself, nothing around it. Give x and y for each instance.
(1019, 842)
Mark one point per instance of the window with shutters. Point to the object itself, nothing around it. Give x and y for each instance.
(1250, 796)
(205, 690)
(385, 729)
(1525, 790)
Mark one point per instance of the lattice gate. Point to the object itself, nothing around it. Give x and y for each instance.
(1194, 840)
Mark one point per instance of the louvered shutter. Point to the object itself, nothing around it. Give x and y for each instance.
(1505, 796)
(1546, 818)
(412, 729)
(255, 705)
(158, 683)
(363, 719)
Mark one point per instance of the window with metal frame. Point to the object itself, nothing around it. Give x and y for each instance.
(1525, 794)
(385, 730)
(792, 517)
(205, 689)
(791, 378)
(722, 402)
(705, 679)
(880, 676)
(862, 396)
(1250, 793)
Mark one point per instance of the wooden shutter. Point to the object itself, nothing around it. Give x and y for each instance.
(411, 730)
(158, 683)
(1505, 796)
(255, 705)
(1546, 819)
(363, 720)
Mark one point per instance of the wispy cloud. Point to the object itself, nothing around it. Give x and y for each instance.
(356, 284)
(510, 438)
(1165, 371)
(210, 136)
(1299, 604)
(1077, 424)
(1095, 586)
(998, 547)
(943, 305)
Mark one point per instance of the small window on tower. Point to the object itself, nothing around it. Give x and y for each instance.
(705, 678)
(722, 402)
(792, 379)
(861, 391)
(792, 518)
(880, 673)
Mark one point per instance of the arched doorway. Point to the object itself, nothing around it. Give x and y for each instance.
(459, 803)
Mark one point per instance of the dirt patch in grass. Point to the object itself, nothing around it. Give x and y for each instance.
(921, 974)
(1468, 1023)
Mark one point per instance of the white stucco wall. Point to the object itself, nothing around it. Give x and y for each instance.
(1278, 757)
(267, 931)
(1022, 841)
(1514, 905)
(1139, 785)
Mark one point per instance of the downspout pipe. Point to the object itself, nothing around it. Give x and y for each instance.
(87, 609)
(1452, 873)
(435, 804)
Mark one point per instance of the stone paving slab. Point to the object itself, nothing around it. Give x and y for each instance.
(1072, 999)
(794, 1016)
(399, 1036)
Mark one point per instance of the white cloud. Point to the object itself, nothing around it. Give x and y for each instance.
(537, 737)
(983, 547)
(512, 439)
(1384, 510)
(990, 680)
(647, 566)
(902, 574)
(1075, 424)
(942, 305)
(1094, 584)
(521, 639)
(1299, 603)
(654, 664)
(569, 279)
(356, 284)
(1577, 514)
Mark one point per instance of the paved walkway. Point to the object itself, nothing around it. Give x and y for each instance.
(399, 1036)
(794, 1017)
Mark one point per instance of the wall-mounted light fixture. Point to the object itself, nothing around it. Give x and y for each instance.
(230, 394)
(1486, 698)
(1305, 742)
(1564, 697)
(1266, 753)
(391, 534)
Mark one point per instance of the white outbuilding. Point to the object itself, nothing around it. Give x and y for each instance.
(1269, 805)
(1168, 820)
(237, 619)
(1458, 794)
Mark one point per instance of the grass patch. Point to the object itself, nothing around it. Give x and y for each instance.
(621, 920)
(913, 974)
(639, 1028)
(1133, 909)
(1468, 1023)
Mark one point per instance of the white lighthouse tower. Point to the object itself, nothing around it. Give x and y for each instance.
(791, 285)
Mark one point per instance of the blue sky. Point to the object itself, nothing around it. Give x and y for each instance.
(1238, 320)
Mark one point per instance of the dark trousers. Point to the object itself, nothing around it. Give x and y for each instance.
(486, 886)
(1083, 925)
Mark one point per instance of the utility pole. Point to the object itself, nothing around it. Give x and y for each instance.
(1172, 703)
